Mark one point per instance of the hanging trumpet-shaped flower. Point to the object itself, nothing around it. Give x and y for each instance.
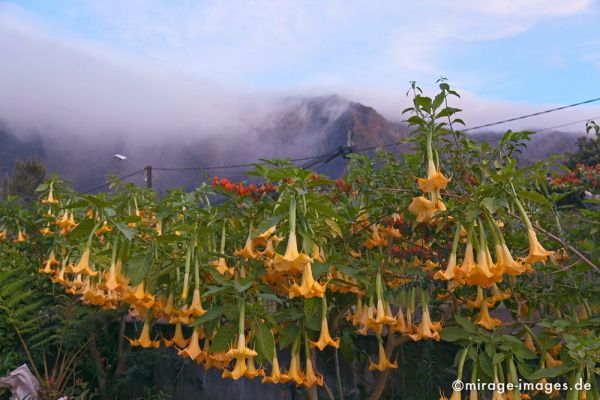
(50, 199)
(310, 377)
(435, 179)
(484, 319)
(241, 352)
(375, 240)
(426, 329)
(144, 339)
(424, 209)
(238, 371)
(295, 373)
(221, 266)
(193, 350)
(49, 264)
(276, 376)
(451, 271)
(292, 260)
(247, 252)
(478, 299)
(251, 371)
(263, 238)
(536, 250)
(309, 286)
(325, 338)
(383, 362)
(195, 308)
(138, 297)
(83, 265)
(177, 338)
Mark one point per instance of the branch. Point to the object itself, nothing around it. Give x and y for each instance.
(552, 236)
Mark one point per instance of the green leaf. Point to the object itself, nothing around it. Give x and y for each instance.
(265, 342)
(465, 323)
(453, 334)
(551, 372)
(125, 230)
(312, 313)
(335, 228)
(485, 364)
(83, 229)
(535, 197)
(211, 314)
(137, 268)
(267, 223)
(224, 337)
(498, 358)
(242, 284)
(288, 335)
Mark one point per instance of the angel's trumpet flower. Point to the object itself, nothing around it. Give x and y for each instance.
(383, 362)
(484, 319)
(177, 338)
(193, 350)
(276, 376)
(310, 377)
(309, 286)
(435, 179)
(144, 339)
(325, 338)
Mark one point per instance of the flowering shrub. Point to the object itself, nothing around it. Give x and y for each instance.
(443, 245)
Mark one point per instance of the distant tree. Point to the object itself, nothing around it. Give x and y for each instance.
(588, 148)
(26, 176)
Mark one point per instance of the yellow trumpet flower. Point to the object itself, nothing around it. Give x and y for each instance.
(435, 180)
(528, 341)
(144, 339)
(251, 371)
(309, 286)
(49, 263)
(536, 250)
(138, 297)
(276, 375)
(484, 319)
(292, 260)
(310, 378)
(325, 338)
(382, 317)
(221, 266)
(375, 240)
(295, 373)
(450, 271)
(383, 362)
(193, 350)
(263, 238)
(195, 308)
(177, 339)
(422, 208)
(481, 275)
(247, 252)
(426, 329)
(241, 351)
(239, 370)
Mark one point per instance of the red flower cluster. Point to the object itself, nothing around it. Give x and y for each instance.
(342, 184)
(587, 177)
(241, 190)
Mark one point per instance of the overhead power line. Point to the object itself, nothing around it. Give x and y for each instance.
(121, 178)
(531, 115)
(567, 124)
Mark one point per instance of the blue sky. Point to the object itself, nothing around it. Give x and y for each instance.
(506, 56)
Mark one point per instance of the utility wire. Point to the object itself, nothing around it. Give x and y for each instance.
(567, 124)
(108, 183)
(331, 156)
(530, 115)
